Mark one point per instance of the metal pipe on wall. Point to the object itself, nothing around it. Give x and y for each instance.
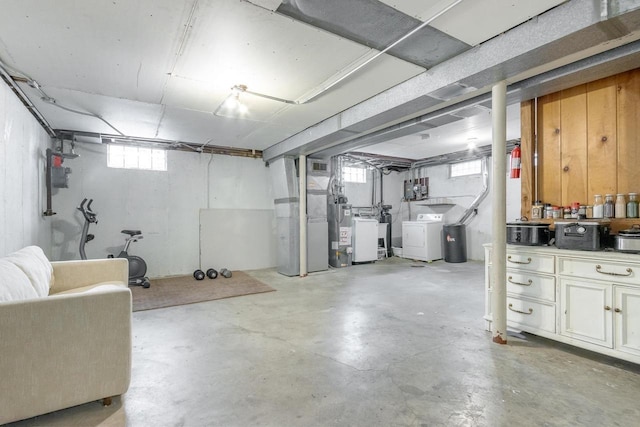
(472, 210)
(302, 171)
(381, 188)
(499, 201)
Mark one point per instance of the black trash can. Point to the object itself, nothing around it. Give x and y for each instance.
(454, 242)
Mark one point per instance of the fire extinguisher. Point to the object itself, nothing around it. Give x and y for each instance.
(515, 162)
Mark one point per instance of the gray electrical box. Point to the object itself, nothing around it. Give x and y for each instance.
(60, 177)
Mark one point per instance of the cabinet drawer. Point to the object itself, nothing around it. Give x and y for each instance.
(531, 262)
(531, 285)
(531, 315)
(620, 272)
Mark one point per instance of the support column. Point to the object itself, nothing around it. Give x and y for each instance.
(499, 201)
(302, 170)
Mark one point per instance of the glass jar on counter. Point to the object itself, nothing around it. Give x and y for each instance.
(632, 206)
(557, 212)
(548, 212)
(608, 207)
(598, 206)
(589, 211)
(566, 212)
(621, 206)
(575, 206)
(537, 210)
(582, 212)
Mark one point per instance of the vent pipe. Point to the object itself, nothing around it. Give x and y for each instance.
(472, 210)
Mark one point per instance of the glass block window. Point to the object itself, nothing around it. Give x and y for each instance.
(354, 174)
(132, 157)
(472, 167)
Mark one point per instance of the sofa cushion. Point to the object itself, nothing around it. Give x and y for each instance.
(14, 284)
(93, 288)
(34, 263)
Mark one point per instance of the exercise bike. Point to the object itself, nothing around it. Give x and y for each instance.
(137, 265)
(89, 218)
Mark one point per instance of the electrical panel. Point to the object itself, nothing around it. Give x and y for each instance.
(416, 189)
(60, 177)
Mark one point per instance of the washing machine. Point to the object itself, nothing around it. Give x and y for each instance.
(421, 238)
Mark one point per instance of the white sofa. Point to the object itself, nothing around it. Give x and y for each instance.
(65, 333)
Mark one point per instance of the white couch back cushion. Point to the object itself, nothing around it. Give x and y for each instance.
(14, 284)
(34, 263)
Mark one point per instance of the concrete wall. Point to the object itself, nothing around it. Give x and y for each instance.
(22, 177)
(164, 205)
(461, 191)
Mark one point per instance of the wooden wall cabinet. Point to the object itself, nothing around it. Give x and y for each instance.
(588, 143)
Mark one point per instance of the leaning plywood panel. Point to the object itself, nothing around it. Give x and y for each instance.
(237, 239)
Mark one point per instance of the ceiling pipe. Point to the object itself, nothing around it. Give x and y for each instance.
(43, 96)
(163, 143)
(10, 81)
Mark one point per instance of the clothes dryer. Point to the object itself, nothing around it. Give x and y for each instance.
(421, 239)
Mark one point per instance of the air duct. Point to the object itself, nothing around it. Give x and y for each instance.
(472, 210)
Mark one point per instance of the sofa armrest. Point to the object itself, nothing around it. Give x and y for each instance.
(75, 274)
(64, 350)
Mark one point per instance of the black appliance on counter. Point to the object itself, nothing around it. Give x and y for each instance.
(528, 233)
(584, 235)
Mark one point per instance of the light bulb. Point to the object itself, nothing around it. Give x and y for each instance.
(232, 102)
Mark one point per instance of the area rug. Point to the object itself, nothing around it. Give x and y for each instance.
(180, 290)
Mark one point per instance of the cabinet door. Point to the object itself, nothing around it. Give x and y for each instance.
(627, 319)
(586, 312)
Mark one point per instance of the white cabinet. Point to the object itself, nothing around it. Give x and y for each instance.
(585, 311)
(600, 303)
(627, 319)
(531, 292)
(587, 299)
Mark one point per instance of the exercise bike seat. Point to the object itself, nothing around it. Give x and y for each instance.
(131, 232)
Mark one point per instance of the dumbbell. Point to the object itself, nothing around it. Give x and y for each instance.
(225, 273)
(212, 273)
(198, 274)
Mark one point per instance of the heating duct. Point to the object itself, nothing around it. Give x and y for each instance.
(472, 210)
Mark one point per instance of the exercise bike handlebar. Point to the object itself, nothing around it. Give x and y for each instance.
(88, 214)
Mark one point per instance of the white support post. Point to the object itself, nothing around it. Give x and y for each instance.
(499, 201)
(302, 170)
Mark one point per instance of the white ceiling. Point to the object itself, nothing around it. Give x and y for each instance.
(161, 68)
(466, 134)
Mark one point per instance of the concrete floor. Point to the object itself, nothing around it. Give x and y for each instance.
(388, 344)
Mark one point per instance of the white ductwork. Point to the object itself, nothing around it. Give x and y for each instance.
(472, 210)
(572, 32)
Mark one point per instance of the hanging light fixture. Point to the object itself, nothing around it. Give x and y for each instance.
(232, 104)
